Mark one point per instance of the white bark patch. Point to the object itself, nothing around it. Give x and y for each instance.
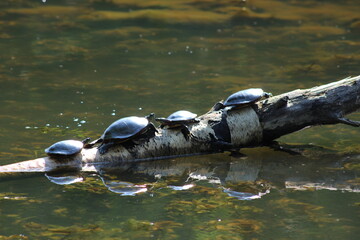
(202, 131)
(88, 155)
(114, 154)
(36, 165)
(174, 139)
(244, 126)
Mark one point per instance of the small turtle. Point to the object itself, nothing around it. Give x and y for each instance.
(179, 119)
(65, 148)
(124, 130)
(242, 98)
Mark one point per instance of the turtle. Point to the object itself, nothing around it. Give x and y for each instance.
(179, 119)
(242, 98)
(65, 148)
(123, 131)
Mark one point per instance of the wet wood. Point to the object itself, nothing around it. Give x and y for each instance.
(225, 130)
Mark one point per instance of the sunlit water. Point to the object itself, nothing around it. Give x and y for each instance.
(68, 71)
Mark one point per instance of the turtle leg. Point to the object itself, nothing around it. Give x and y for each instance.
(188, 135)
(103, 148)
(220, 144)
(152, 127)
(143, 137)
(92, 144)
(186, 132)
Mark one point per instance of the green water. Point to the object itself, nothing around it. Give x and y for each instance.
(68, 70)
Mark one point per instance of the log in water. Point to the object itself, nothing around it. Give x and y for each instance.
(225, 129)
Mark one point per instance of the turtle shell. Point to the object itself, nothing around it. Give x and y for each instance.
(125, 128)
(179, 116)
(244, 97)
(65, 148)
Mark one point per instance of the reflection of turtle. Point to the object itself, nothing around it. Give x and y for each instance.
(65, 148)
(124, 130)
(179, 119)
(64, 179)
(242, 98)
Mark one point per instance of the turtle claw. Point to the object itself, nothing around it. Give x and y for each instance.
(102, 151)
(193, 137)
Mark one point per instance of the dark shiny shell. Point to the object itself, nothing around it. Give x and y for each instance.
(179, 116)
(244, 97)
(65, 148)
(125, 128)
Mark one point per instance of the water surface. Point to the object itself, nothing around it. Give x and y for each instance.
(67, 70)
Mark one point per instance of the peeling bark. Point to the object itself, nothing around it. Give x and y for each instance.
(251, 126)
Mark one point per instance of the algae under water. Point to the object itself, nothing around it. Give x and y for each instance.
(69, 69)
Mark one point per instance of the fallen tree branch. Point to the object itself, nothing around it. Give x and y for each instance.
(251, 126)
(326, 104)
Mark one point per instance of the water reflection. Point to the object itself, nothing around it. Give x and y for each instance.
(63, 62)
(123, 188)
(64, 178)
(245, 178)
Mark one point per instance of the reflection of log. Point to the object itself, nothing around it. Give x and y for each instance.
(244, 178)
(221, 130)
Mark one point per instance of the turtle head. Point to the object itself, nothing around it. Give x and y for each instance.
(218, 106)
(86, 140)
(267, 95)
(150, 116)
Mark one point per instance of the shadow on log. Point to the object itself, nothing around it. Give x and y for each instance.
(255, 125)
